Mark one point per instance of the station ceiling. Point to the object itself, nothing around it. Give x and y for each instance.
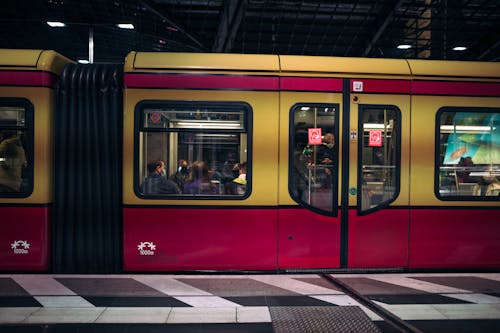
(432, 29)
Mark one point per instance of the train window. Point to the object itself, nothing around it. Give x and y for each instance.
(193, 149)
(468, 154)
(379, 156)
(313, 157)
(16, 142)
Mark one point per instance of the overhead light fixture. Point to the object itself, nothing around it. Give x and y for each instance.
(55, 24)
(404, 46)
(459, 48)
(125, 26)
(83, 61)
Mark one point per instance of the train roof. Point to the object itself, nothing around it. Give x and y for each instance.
(41, 60)
(300, 65)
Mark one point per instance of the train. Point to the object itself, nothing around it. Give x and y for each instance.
(301, 163)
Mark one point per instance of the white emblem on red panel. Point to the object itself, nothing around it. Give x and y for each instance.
(146, 248)
(20, 247)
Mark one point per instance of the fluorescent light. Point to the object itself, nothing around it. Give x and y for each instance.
(55, 24)
(404, 46)
(459, 48)
(451, 128)
(375, 126)
(182, 123)
(125, 26)
(83, 61)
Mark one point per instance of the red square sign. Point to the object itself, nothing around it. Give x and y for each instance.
(375, 139)
(314, 136)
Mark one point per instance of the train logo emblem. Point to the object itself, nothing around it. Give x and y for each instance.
(146, 248)
(20, 247)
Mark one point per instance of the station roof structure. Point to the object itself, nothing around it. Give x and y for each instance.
(413, 29)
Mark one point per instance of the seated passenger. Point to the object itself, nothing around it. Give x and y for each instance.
(181, 176)
(238, 186)
(494, 188)
(156, 182)
(12, 161)
(463, 171)
(199, 182)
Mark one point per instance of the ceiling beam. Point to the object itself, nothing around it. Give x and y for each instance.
(229, 23)
(151, 7)
(382, 28)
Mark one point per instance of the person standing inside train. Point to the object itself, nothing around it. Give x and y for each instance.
(156, 182)
(12, 161)
(326, 156)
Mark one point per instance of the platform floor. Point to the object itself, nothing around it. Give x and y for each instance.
(437, 302)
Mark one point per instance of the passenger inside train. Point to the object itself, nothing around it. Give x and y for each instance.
(199, 180)
(12, 161)
(156, 182)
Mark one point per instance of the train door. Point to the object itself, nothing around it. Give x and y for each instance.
(309, 216)
(348, 170)
(377, 223)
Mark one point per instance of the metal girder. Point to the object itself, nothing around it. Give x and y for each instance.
(147, 4)
(382, 28)
(229, 23)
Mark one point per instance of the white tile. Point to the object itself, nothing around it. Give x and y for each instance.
(417, 284)
(343, 300)
(64, 302)
(207, 301)
(15, 315)
(414, 311)
(468, 311)
(290, 283)
(202, 315)
(170, 286)
(253, 314)
(134, 315)
(59, 315)
(476, 298)
(41, 285)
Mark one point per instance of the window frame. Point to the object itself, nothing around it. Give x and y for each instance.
(437, 145)
(29, 127)
(291, 160)
(139, 127)
(397, 190)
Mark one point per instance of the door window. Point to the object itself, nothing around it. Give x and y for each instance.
(379, 160)
(314, 156)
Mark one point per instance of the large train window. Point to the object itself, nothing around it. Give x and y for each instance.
(313, 160)
(468, 154)
(193, 149)
(379, 156)
(16, 142)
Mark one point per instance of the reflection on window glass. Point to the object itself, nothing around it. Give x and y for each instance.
(194, 149)
(15, 175)
(469, 154)
(379, 143)
(313, 156)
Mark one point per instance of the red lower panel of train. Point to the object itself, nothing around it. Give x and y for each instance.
(24, 240)
(199, 239)
(454, 238)
(379, 239)
(308, 240)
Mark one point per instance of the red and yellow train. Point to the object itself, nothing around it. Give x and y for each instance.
(343, 163)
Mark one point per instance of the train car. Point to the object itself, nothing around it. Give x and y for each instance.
(27, 81)
(301, 163)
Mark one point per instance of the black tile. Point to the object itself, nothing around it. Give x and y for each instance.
(22, 328)
(18, 301)
(108, 287)
(473, 283)
(278, 301)
(416, 299)
(9, 287)
(123, 301)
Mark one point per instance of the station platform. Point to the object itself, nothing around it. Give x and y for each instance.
(424, 302)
